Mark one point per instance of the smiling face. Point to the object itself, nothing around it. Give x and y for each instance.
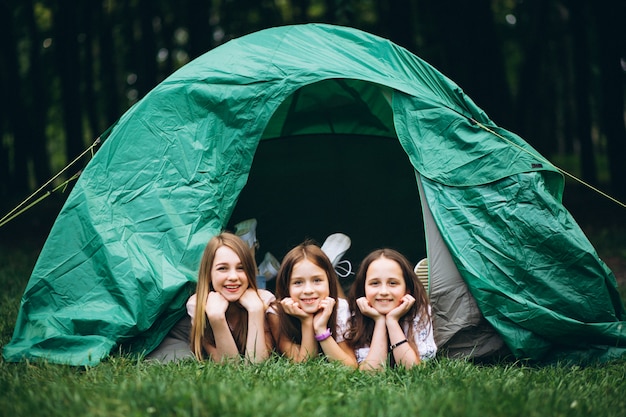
(228, 276)
(308, 285)
(384, 285)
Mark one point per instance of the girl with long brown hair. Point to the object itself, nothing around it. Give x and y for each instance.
(228, 310)
(390, 313)
(309, 319)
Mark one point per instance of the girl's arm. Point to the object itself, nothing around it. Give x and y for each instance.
(256, 343)
(334, 351)
(225, 346)
(308, 345)
(377, 355)
(308, 348)
(294, 351)
(403, 351)
(341, 352)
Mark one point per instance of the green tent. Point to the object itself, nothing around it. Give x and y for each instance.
(314, 129)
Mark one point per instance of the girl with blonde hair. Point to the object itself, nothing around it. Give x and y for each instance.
(228, 310)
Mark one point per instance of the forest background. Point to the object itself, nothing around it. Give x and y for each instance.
(552, 71)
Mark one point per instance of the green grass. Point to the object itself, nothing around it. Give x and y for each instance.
(126, 386)
(122, 386)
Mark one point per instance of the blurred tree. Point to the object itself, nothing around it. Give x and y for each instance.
(108, 63)
(13, 172)
(612, 55)
(470, 53)
(200, 27)
(582, 68)
(147, 47)
(107, 55)
(539, 77)
(65, 16)
(14, 116)
(91, 29)
(37, 97)
(341, 12)
(396, 22)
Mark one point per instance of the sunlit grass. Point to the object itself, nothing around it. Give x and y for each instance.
(129, 386)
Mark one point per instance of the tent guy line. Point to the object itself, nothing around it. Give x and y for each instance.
(562, 171)
(23, 207)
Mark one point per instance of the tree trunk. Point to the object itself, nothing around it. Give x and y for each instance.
(108, 68)
(582, 70)
(200, 29)
(400, 24)
(91, 29)
(147, 75)
(612, 49)
(15, 117)
(39, 98)
(472, 55)
(67, 50)
(7, 57)
(537, 93)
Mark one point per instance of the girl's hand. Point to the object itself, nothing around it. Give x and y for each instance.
(215, 306)
(320, 319)
(405, 305)
(367, 309)
(293, 308)
(251, 301)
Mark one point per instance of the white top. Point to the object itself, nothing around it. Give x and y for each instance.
(265, 295)
(343, 318)
(423, 338)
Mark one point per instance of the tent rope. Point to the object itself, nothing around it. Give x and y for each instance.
(27, 203)
(562, 171)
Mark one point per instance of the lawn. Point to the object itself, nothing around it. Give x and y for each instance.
(122, 386)
(127, 386)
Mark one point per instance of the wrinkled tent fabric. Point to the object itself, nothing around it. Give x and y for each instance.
(121, 258)
(537, 282)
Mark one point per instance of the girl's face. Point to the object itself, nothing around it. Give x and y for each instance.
(384, 285)
(308, 285)
(227, 274)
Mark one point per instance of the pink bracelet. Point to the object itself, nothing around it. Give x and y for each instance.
(323, 336)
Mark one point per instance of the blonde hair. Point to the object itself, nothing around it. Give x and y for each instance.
(201, 332)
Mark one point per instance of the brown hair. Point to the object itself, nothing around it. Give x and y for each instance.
(361, 327)
(290, 326)
(201, 331)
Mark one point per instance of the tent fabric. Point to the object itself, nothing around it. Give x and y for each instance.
(459, 325)
(121, 258)
(531, 269)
